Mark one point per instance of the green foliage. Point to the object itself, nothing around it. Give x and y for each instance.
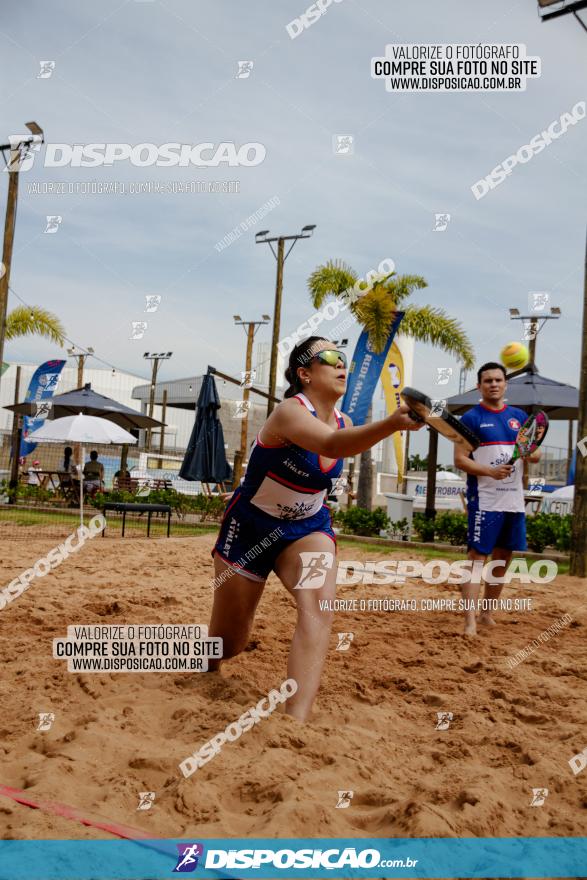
(549, 530)
(206, 505)
(563, 528)
(359, 521)
(375, 311)
(400, 530)
(5, 490)
(423, 527)
(34, 321)
(451, 527)
(448, 527)
(34, 493)
(432, 325)
(542, 530)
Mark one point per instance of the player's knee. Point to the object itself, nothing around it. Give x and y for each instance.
(315, 619)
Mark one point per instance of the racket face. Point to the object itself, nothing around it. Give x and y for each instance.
(440, 419)
(531, 434)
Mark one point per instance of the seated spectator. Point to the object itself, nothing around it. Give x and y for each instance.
(69, 466)
(93, 474)
(33, 479)
(122, 479)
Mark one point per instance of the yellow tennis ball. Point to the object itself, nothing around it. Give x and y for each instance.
(514, 356)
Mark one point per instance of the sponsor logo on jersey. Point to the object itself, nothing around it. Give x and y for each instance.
(514, 424)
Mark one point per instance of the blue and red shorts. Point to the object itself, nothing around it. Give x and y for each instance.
(488, 529)
(251, 540)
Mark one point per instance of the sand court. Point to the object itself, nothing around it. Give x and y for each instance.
(434, 734)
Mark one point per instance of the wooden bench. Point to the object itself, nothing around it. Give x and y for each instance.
(149, 509)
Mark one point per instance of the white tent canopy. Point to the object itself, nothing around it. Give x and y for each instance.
(81, 429)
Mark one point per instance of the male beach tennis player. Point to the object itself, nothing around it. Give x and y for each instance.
(277, 519)
(495, 489)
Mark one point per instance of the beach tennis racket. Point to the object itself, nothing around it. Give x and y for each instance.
(530, 436)
(435, 414)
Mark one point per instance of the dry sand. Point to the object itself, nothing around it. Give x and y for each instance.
(373, 730)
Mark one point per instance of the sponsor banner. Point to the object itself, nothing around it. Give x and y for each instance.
(43, 383)
(447, 497)
(364, 373)
(392, 379)
(552, 857)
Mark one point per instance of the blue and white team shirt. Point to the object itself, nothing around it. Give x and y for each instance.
(497, 431)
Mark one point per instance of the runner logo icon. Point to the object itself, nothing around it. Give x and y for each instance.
(187, 860)
(315, 566)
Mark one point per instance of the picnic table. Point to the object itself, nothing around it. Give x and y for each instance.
(149, 509)
(61, 482)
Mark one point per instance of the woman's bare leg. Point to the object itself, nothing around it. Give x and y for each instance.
(311, 637)
(235, 601)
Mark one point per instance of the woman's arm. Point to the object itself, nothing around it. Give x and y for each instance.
(291, 423)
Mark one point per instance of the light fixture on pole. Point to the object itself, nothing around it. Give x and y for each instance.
(155, 358)
(281, 257)
(81, 357)
(534, 325)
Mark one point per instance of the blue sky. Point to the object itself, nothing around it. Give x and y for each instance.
(162, 72)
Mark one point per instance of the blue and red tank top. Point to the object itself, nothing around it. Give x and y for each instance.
(289, 482)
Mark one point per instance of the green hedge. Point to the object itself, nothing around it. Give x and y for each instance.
(542, 530)
(205, 505)
(549, 530)
(449, 527)
(360, 521)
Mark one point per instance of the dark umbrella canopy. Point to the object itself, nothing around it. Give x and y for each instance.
(84, 400)
(205, 459)
(528, 390)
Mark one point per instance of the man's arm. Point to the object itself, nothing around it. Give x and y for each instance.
(464, 463)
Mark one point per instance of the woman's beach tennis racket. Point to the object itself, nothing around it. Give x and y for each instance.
(438, 417)
(530, 436)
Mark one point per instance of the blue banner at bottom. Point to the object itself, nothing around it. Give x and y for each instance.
(301, 857)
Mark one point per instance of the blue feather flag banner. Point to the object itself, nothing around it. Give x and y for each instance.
(364, 373)
(41, 387)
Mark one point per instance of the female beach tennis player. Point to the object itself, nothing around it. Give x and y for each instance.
(277, 519)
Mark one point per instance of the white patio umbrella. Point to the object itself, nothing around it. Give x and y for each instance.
(565, 493)
(81, 429)
(446, 477)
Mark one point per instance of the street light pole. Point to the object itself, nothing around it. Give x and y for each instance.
(18, 149)
(250, 330)
(155, 358)
(276, 323)
(9, 225)
(281, 257)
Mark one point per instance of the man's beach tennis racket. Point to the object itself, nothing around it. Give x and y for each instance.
(439, 418)
(530, 436)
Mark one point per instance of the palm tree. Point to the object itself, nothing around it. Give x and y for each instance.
(34, 321)
(375, 310)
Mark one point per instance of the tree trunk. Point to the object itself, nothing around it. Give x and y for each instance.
(365, 484)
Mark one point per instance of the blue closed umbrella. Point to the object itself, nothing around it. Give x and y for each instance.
(205, 459)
